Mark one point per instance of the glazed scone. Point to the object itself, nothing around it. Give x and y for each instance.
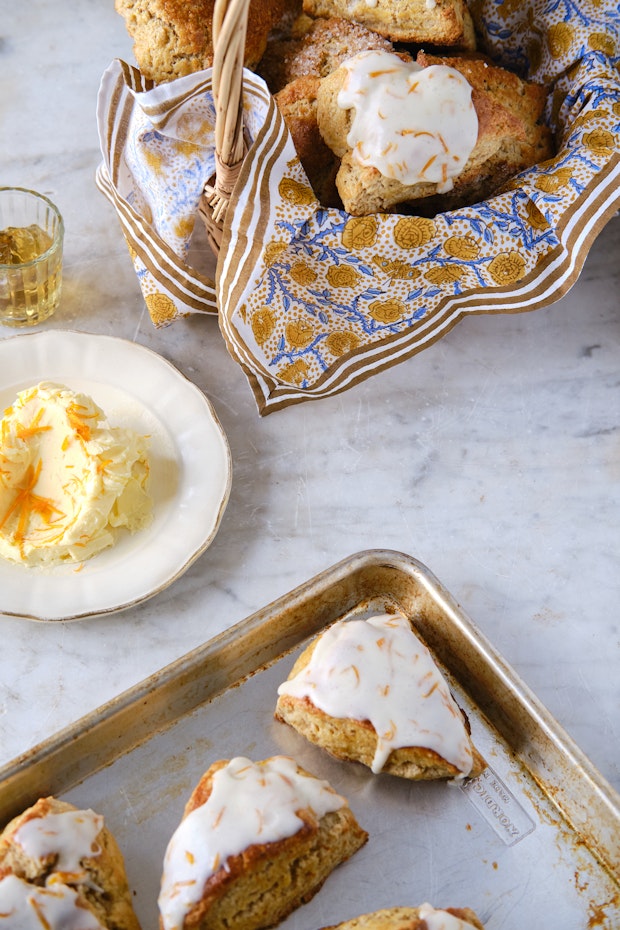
(524, 138)
(174, 37)
(68, 480)
(319, 49)
(425, 917)
(63, 864)
(257, 840)
(370, 691)
(459, 128)
(434, 22)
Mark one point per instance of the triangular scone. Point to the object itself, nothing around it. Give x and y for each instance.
(511, 132)
(257, 840)
(64, 865)
(424, 917)
(442, 22)
(369, 691)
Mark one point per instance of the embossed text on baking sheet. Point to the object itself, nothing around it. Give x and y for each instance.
(498, 806)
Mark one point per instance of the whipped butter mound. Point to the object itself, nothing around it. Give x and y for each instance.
(67, 479)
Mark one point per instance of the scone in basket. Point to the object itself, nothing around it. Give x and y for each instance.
(311, 300)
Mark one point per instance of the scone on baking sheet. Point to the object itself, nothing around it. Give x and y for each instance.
(257, 840)
(430, 22)
(425, 917)
(370, 691)
(61, 867)
(450, 128)
(174, 37)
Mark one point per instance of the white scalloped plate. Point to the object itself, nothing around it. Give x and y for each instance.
(190, 481)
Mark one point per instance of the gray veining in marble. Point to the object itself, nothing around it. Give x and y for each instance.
(493, 457)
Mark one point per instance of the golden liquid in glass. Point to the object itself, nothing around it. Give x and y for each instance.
(30, 279)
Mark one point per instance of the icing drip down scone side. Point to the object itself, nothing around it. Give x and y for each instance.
(370, 691)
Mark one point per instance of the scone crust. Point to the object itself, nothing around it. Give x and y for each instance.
(402, 918)
(447, 23)
(356, 740)
(106, 871)
(294, 869)
(317, 51)
(173, 38)
(297, 104)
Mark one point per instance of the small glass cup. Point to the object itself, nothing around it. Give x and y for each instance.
(31, 235)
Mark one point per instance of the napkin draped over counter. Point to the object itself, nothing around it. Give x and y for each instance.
(312, 300)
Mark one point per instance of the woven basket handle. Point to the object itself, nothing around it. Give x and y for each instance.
(229, 32)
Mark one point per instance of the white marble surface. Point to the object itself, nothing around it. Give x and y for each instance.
(493, 457)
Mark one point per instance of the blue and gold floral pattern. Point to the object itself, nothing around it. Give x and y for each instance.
(311, 300)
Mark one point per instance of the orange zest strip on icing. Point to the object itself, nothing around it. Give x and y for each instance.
(430, 691)
(40, 915)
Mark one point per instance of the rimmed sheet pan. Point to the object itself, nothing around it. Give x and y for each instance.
(534, 841)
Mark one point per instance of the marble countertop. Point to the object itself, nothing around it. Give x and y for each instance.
(493, 457)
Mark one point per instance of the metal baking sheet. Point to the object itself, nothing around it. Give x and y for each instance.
(533, 842)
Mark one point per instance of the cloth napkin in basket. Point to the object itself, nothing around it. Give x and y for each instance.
(311, 300)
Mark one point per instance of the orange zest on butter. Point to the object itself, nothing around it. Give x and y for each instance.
(26, 503)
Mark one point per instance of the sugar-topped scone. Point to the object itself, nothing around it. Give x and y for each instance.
(425, 917)
(370, 691)
(431, 22)
(61, 868)
(257, 840)
(316, 50)
(451, 128)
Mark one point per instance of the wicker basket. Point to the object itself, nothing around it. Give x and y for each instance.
(311, 300)
(229, 33)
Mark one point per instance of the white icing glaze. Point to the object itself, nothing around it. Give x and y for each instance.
(66, 477)
(27, 907)
(250, 802)
(437, 919)
(378, 670)
(70, 835)
(412, 124)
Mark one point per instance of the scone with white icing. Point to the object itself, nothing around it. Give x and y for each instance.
(370, 691)
(61, 868)
(424, 917)
(440, 131)
(257, 840)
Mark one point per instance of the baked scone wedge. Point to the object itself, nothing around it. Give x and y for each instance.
(175, 37)
(424, 917)
(297, 104)
(316, 50)
(459, 149)
(370, 691)
(442, 22)
(257, 840)
(63, 866)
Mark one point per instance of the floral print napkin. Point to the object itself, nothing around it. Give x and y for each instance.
(311, 300)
